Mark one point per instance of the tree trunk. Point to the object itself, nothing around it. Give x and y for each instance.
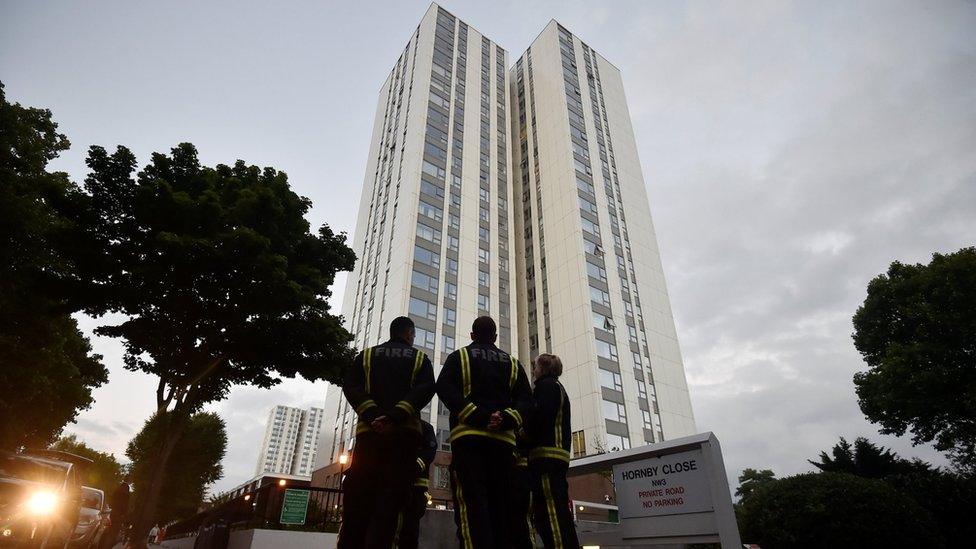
(144, 517)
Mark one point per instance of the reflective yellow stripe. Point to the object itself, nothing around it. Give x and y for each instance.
(559, 416)
(362, 427)
(521, 461)
(368, 366)
(467, 430)
(417, 363)
(365, 405)
(514, 376)
(463, 508)
(465, 372)
(421, 482)
(406, 407)
(557, 536)
(396, 536)
(549, 452)
(466, 411)
(421, 463)
(515, 416)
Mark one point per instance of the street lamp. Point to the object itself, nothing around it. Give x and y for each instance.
(343, 459)
(281, 482)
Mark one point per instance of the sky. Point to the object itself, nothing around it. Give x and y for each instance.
(792, 151)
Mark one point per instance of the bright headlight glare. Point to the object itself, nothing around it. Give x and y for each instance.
(42, 503)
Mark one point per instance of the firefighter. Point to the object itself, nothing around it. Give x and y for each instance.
(488, 395)
(549, 431)
(417, 503)
(520, 497)
(387, 385)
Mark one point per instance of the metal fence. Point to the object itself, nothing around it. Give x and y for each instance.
(262, 509)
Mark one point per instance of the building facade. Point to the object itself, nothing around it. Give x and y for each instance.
(592, 287)
(473, 204)
(290, 441)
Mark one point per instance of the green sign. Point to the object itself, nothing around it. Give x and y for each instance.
(294, 506)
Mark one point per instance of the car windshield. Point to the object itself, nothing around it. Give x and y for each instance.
(91, 498)
(26, 468)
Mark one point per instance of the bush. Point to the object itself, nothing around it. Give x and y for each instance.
(835, 510)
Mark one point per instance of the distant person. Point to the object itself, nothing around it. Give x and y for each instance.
(549, 431)
(153, 534)
(488, 395)
(416, 506)
(119, 502)
(387, 385)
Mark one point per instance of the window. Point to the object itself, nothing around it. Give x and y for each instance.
(614, 411)
(452, 267)
(430, 211)
(633, 333)
(424, 338)
(615, 443)
(454, 221)
(602, 322)
(646, 416)
(641, 389)
(592, 248)
(430, 188)
(596, 271)
(484, 255)
(483, 279)
(483, 302)
(579, 444)
(433, 170)
(450, 317)
(450, 290)
(426, 256)
(424, 282)
(586, 205)
(588, 226)
(428, 233)
(423, 309)
(442, 476)
(598, 296)
(447, 342)
(606, 350)
(637, 360)
(611, 380)
(453, 243)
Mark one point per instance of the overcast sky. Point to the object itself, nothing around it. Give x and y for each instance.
(791, 152)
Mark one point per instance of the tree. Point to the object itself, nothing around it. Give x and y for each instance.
(917, 333)
(105, 473)
(866, 459)
(834, 510)
(751, 479)
(194, 464)
(219, 278)
(47, 369)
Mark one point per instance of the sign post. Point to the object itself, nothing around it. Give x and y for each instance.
(672, 492)
(294, 506)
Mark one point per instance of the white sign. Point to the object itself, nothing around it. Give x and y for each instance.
(669, 485)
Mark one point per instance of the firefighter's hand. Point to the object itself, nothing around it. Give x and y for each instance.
(382, 425)
(495, 422)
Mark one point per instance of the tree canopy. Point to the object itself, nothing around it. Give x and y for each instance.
(750, 479)
(917, 333)
(193, 466)
(47, 368)
(105, 473)
(866, 459)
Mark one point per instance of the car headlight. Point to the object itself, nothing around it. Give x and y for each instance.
(42, 503)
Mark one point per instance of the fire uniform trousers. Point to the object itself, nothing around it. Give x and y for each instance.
(417, 501)
(549, 431)
(395, 380)
(475, 382)
(520, 500)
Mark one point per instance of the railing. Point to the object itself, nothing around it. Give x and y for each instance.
(262, 509)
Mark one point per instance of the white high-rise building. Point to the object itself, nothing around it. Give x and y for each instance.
(591, 286)
(516, 193)
(435, 236)
(290, 441)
